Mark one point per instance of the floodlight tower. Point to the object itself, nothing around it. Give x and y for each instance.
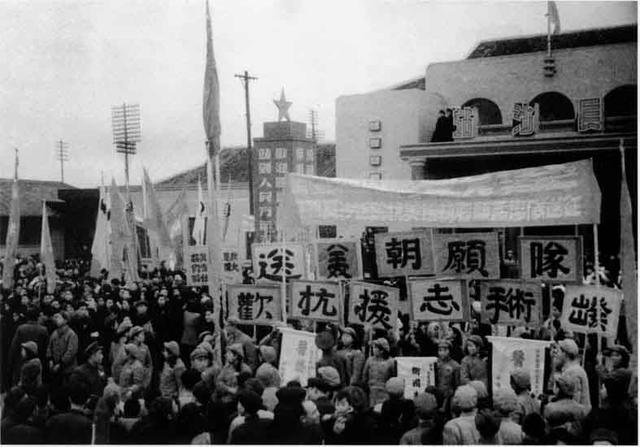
(62, 154)
(125, 121)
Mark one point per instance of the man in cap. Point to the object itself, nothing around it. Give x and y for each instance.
(90, 373)
(521, 385)
(235, 335)
(426, 407)
(352, 354)
(326, 342)
(462, 430)
(570, 366)
(565, 411)
(619, 357)
(447, 373)
(62, 349)
(31, 330)
(396, 413)
(137, 337)
(320, 390)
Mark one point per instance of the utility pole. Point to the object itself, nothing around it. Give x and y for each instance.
(245, 82)
(125, 121)
(62, 154)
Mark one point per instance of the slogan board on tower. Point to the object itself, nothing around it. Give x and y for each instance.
(338, 259)
(591, 310)
(316, 300)
(255, 304)
(373, 304)
(467, 255)
(439, 300)
(407, 253)
(556, 259)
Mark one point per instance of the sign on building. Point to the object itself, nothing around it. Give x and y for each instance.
(466, 121)
(590, 115)
(404, 253)
(515, 303)
(265, 193)
(439, 300)
(316, 300)
(590, 309)
(467, 255)
(526, 119)
(338, 259)
(195, 259)
(269, 263)
(299, 363)
(551, 259)
(373, 304)
(418, 373)
(255, 304)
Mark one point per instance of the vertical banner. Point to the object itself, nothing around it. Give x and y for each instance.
(551, 259)
(418, 373)
(467, 255)
(301, 351)
(270, 265)
(404, 253)
(373, 304)
(316, 300)
(231, 269)
(515, 303)
(338, 259)
(439, 300)
(195, 260)
(518, 353)
(255, 304)
(591, 310)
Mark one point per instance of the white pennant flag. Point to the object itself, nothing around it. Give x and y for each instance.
(46, 251)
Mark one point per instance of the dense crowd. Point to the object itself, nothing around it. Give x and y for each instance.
(151, 362)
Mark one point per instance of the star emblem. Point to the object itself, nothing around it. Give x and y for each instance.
(283, 107)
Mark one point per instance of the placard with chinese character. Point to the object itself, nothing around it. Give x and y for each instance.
(590, 309)
(418, 373)
(195, 259)
(590, 115)
(515, 303)
(269, 264)
(338, 259)
(406, 253)
(255, 304)
(316, 300)
(439, 300)
(467, 255)
(299, 363)
(551, 259)
(231, 268)
(373, 304)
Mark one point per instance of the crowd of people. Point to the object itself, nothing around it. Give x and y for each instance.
(152, 362)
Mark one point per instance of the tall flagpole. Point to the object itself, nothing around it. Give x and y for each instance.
(548, 29)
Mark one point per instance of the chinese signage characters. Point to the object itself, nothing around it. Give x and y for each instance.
(373, 304)
(590, 115)
(265, 194)
(302, 353)
(269, 264)
(404, 254)
(590, 309)
(195, 258)
(437, 300)
(466, 122)
(418, 373)
(511, 302)
(255, 304)
(315, 300)
(526, 119)
(551, 259)
(467, 255)
(338, 259)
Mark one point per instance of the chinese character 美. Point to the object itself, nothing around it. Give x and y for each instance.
(467, 257)
(264, 153)
(517, 303)
(589, 313)
(326, 309)
(337, 263)
(399, 253)
(438, 302)
(518, 358)
(261, 300)
(374, 309)
(547, 258)
(276, 264)
(245, 306)
(264, 168)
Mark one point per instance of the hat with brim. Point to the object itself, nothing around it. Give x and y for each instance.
(325, 340)
(623, 351)
(198, 353)
(92, 349)
(31, 347)
(173, 348)
(351, 331)
(141, 303)
(569, 346)
(135, 331)
(382, 344)
(476, 340)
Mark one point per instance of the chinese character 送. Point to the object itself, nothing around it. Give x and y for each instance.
(276, 265)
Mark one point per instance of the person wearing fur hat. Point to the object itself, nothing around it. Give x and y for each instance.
(132, 373)
(462, 430)
(267, 373)
(447, 373)
(31, 369)
(227, 381)
(377, 370)
(397, 413)
(567, 357)
(353, 355)
(521, 385)
(473, 366)
(505, 403)
(172, 369)
(62, 349)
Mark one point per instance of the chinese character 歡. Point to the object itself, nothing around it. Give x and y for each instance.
(337, 263)
(245, 306)
(547, 258)
(517, 303)
(438, 302)
(399, 253)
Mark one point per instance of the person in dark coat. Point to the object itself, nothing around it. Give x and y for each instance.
(63, 348)
(398, 414)
(287, 426)
(74, 426)
(24, 432)
(254, 430)
(90, 373)
(158, 427)
(31, 330)
(353, 422)
(444, 127)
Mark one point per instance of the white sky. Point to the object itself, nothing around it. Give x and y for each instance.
(64, 64)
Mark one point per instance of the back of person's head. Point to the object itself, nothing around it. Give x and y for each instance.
(132, 408)
(32, 313)
(12, 398)
(78, 393)
(25, 408)
(161, 408)
(254, 385)
(250, 401)
(487, 424)
(505, 401)
(355, 396)
(465, 398)
(201, 392)
(534, 426)
(425, 405)
(60, 399)
(189, 378)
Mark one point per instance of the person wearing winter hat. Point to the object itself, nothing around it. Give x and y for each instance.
(484, 400)
(137, 337)
(429, 427)
(227, 381)
(62, 349)
(462, 430)
(447, 373)
(619, 357)
(267, 373)
(235, 335)
(320, 390)
(117, 356)
(396, 413)
(567, 358)
(353, 354)
(31, 369)
(521, 385)
(132, 373)
(172, 368)
(473, 366)
(90, 372)
(326, 342)
(505, 402)
(564, 409)
(377, 370)
(31, 330)
(252, 429)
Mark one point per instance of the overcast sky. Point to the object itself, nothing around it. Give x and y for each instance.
(64, 64)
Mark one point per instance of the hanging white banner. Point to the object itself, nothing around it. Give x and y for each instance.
(298, 356)
(418, 373)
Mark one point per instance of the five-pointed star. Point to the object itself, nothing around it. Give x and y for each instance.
(283, 107)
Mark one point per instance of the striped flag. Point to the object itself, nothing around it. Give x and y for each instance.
(13, 233)
(554, 17)
(46, 251)
(211, 98)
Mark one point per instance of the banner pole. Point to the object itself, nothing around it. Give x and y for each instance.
(596, 263)
(283, 290)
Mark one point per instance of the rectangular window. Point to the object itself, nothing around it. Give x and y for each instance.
(375, 176)
(375, 160)
(375, 143)
(375, 126)
(327, 231)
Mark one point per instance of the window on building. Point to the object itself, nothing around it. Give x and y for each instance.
(488, 111)
(621, 101)
(327, 231)
(554, 106)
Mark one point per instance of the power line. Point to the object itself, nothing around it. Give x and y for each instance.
(125, 121)
(245, 78)
(62, 155)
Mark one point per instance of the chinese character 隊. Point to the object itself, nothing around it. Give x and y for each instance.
(400, 252)
(438, 301)
(322, 303)
(547, 258)
(516, 302)
(467, 257)
(337, 265)
(374, 309)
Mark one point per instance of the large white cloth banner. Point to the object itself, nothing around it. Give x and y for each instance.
(518, 353)
(298, 356)
(418, 373)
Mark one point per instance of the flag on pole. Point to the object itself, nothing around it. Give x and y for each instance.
(211, 98)
(199, 225)
(153, 214)
(176, 215)
(101, 248)
(117, 232)
(13, 232)
(46, 251)
(554, 17)
(227, 212)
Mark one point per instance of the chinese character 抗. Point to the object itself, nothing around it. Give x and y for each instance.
(547, 259)
(322, 303)
(399, 253)
(438, 302)
(337, 264)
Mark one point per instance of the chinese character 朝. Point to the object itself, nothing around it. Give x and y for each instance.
(438, 301)
(399, 253)
(513, 301)
(374, 309)
(466, 257)
(589, 313)
(547, 258)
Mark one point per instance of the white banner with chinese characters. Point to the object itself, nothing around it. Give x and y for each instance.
(231, 265)
(338, 259)
(517, 353)
(298, 356)
(516, 303)
(418, 373)
(404, 253)
(590, 309)
(553, 259)
(255, 304)
(373, 304)
(316, 300)
(439, 300)
(467, 255)
(195, 260)
(269, 265)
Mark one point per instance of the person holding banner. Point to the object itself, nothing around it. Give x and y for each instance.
(235, 336)
(377, 370)
(353, 355)
(227, 382)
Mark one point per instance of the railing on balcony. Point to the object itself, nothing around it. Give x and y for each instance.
(612, 124)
